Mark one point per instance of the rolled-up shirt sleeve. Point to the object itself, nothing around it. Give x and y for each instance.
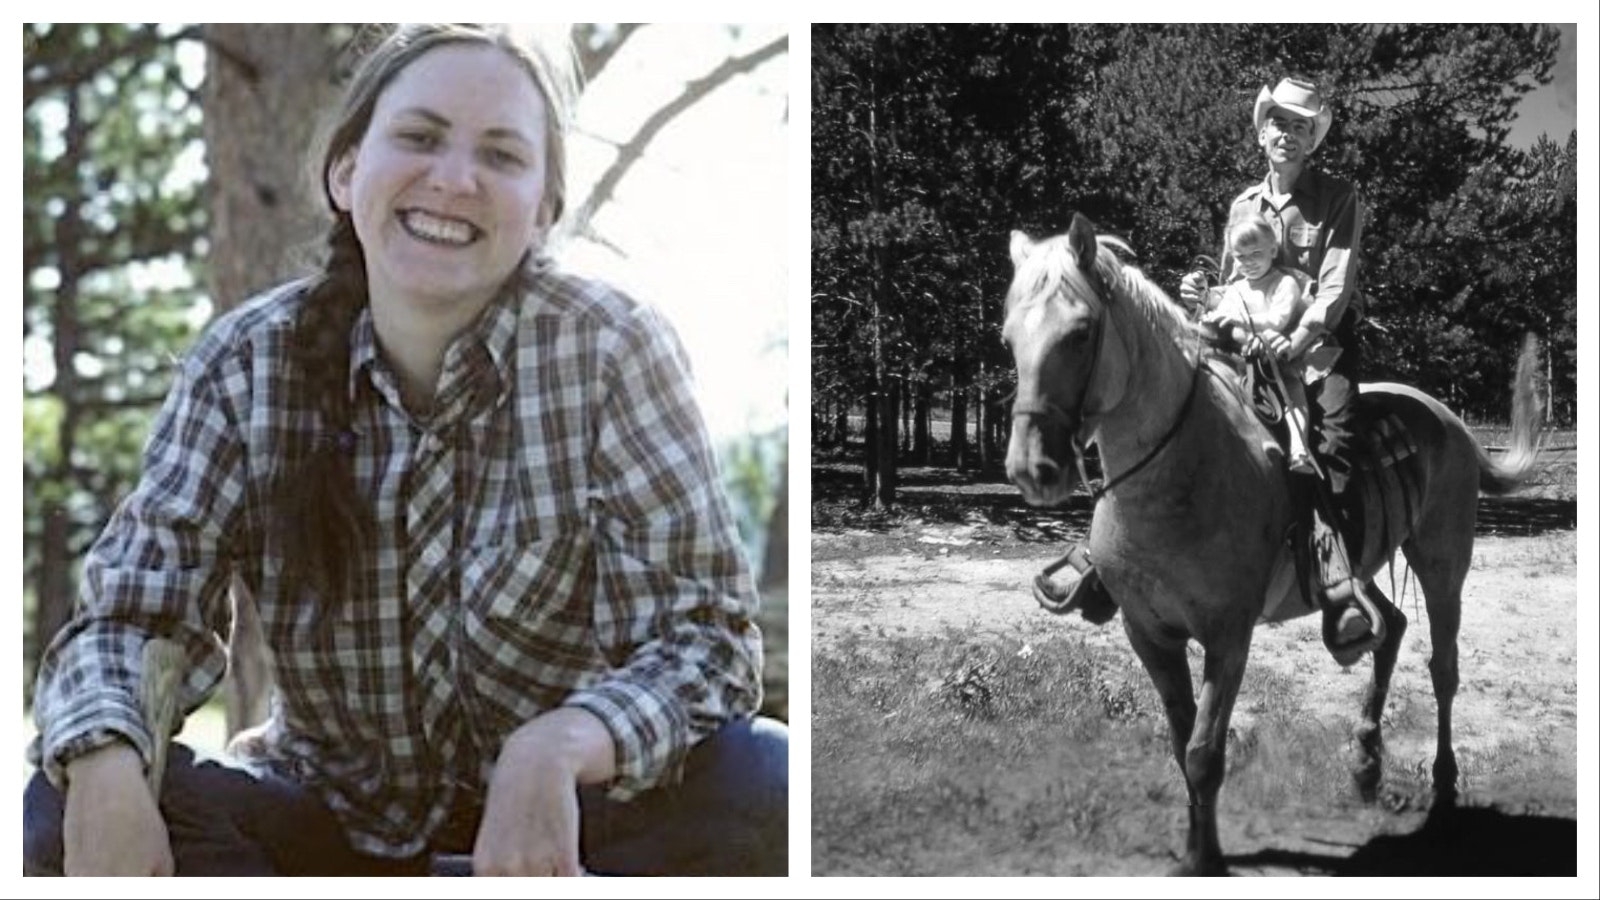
(158, 569)
(675, 602)
(1340, 258)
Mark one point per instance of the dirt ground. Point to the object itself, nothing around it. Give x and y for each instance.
(1518, 674)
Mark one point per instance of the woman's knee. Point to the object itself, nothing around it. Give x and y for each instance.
(746, 765)
(743, 785)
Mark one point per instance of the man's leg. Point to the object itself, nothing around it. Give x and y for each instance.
(221, 821)
(1334, 407)
(730, 816)
(1351, 624)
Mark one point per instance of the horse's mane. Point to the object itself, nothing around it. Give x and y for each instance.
(1129, 282)
(1051, 264)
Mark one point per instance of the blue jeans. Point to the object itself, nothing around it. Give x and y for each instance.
(728, 817)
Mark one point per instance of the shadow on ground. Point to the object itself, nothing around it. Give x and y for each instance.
(948, 496)
(1464, 841)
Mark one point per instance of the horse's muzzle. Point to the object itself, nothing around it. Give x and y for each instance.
(1039, 466)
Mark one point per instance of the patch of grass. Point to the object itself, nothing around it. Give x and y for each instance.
(980, 754)
(1541, 776)
(1280, 757)
(954, 755)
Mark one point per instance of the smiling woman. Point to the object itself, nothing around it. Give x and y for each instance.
(474, 499)
(445, 205)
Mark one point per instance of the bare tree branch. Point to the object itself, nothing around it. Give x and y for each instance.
(693, 92)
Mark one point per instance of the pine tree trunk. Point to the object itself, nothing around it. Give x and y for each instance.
(887, 476)
(54, 585)
(980, 416)
(921, 428)
(958, 424)
(870, 446)
(266, 88)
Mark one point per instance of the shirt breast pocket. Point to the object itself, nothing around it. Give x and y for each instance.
(529, 616)
(1303, 235)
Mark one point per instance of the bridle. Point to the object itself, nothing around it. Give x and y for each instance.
(1073, 419)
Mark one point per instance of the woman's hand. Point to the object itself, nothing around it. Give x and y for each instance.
(112, 825)
(531, 819)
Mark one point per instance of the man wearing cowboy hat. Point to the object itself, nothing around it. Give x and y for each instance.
(1318, 220)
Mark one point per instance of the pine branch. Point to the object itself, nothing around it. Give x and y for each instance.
(82, 65)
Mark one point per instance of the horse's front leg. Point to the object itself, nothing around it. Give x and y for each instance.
(1368, 772)
(1165, 658)
(1205, 758)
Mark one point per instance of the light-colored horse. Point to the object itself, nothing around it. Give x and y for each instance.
(1190, 534)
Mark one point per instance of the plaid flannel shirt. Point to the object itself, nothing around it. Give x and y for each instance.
(597, 564)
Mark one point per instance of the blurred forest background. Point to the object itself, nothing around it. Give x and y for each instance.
(165, 179)
(930, 143)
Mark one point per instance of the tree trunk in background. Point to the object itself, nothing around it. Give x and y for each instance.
(266, 89)
(53, 587)
(921, 428)
(904, 408)
(870, 439)
(993, 419)
(980, 418)
(958, 424)
(887, 476)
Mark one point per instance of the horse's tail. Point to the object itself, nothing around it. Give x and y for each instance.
(1506, 474)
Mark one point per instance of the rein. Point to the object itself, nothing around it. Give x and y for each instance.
(1183, 414)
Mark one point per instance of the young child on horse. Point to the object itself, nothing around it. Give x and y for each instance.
(1266, 299)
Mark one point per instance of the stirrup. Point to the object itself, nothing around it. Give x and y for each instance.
(1087, 594)
(1343, 606)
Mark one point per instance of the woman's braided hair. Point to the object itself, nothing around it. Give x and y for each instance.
(320, 516)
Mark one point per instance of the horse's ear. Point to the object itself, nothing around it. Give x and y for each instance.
(1080, 237)
(1021, 246)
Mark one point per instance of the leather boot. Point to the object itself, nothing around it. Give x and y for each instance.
(1351, 623)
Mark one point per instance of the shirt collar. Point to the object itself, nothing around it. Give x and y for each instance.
(494, 332)
(1307, 185)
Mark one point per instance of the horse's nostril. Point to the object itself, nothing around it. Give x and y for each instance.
(1045, 473)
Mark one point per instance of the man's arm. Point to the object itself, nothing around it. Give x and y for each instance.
(1336, 276)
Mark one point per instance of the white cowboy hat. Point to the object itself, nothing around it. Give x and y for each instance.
(1302, 99)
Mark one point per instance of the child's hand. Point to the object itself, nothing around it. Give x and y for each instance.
(1275, 343)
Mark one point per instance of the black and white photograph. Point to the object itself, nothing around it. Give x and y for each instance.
(1194, 421)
